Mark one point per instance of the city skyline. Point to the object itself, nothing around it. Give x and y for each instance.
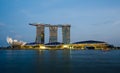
(89, 19)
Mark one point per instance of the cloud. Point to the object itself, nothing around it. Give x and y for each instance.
(15, 34)
(12, 31)
(27, 13)
(18, 36)
(74, 16)
(116, 23)
(49, 3)
(71, 12)
(2, 24)
(108, 23)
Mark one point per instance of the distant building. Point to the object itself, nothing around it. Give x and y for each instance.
(53, 39)
(90, 44)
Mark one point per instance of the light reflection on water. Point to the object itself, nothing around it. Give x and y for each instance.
(59, 61)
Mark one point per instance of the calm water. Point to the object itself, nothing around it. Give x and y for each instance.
(59, 61)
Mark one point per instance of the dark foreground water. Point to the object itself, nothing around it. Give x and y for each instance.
(59, 61)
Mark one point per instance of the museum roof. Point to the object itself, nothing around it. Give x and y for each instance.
(53, 43)
(89, 42)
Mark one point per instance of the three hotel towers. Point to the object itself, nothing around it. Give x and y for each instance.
(53, 29)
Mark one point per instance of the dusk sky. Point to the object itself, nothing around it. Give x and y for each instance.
(89, 19)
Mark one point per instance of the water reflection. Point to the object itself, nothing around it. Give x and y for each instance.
(54, 61)
(59, 61)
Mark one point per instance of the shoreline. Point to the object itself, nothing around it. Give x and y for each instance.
(9, 48)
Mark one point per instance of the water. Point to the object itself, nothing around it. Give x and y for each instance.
(59, 61)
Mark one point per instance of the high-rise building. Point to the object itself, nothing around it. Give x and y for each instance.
(53, 29)
(66, 34)
(53, 34)
(39, 33)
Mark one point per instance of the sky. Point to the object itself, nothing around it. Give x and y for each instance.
(89, 19)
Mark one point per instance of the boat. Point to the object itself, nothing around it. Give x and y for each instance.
(14, 42)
